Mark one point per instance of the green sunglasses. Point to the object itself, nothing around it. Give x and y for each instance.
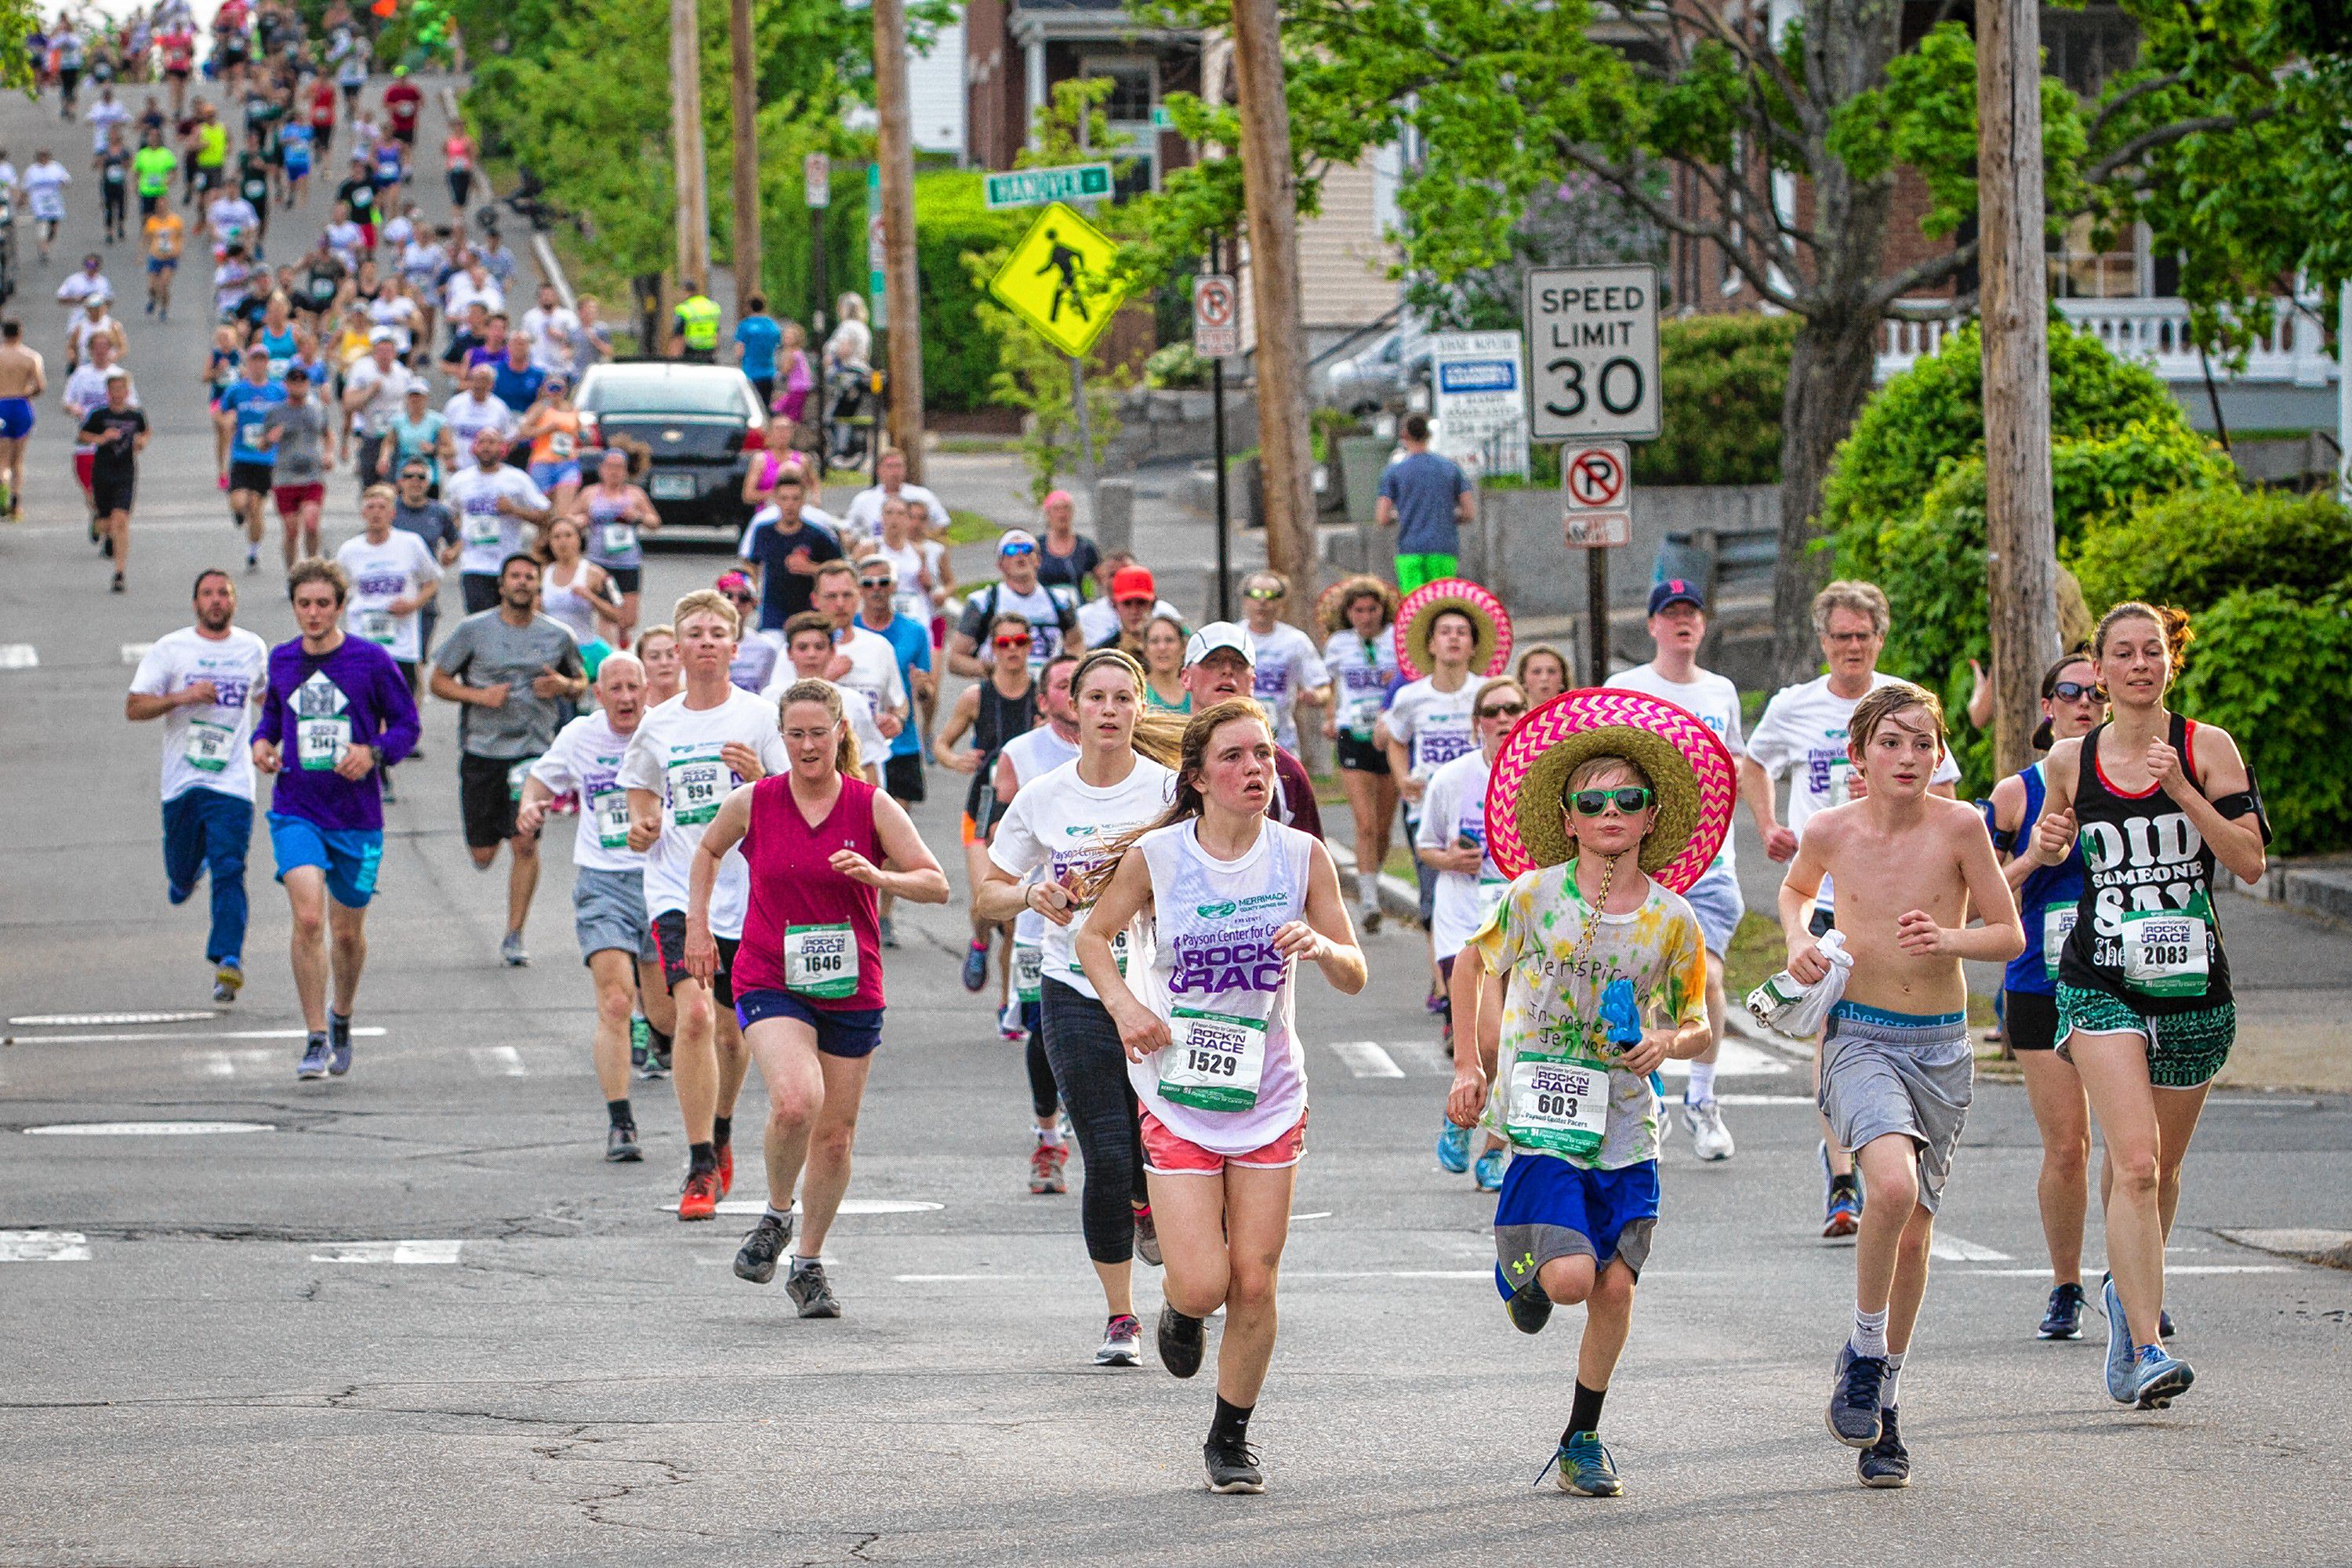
(1627, 798)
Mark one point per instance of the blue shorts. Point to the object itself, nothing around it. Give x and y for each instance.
(15, 418)
(156, 264)
(844, 1031)
(349, 856)
(1715, 898)
(546, 476)
(1548, 1209)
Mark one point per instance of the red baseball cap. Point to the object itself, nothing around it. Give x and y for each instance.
(1133, 583)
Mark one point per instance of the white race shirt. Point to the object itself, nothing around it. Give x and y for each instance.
(1057, 826)
(1452, 809)
(490, 534)
(1802, 732)
(45, 186)
(1715, 702)
(864, 515)
(468, 418)
(380, 573)
(208, 748)
(387, 392)
(551, 333)
(586, 757)
(1033, 754)
(1287, 664)
(873, 669)
(1361, 672)
(674, 754)
(913, 597)
(1433, 727)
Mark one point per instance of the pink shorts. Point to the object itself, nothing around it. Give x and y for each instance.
(1166, 1153)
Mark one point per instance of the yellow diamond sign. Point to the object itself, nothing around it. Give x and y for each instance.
(1059, 280)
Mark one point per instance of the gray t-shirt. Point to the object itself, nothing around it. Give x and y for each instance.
(298, 447)
(484, 650)
(1425, 487)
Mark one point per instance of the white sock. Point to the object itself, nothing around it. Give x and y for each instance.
(1049, 1137)
(781, 1217)
(1869, 1332)
(1702, 1084)
(801, 1263)
(1887, 1390)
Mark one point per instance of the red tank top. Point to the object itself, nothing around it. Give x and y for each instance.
(811, 930)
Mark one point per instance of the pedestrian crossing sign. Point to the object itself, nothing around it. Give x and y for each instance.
(1058, 279)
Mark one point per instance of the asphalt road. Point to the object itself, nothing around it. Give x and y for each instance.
(412, 1316)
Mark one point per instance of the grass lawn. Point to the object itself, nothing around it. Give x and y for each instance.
(965, 527)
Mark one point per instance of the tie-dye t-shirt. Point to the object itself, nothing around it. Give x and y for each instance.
(1533, 936)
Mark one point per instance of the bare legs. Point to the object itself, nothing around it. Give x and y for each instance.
(1222, 1240)
(2063, 1115)
(813, 1104)
(320, 925)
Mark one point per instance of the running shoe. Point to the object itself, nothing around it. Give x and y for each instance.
(2122, 1386)
(756, 1260)
(2063, 1319)
(314, 1059)
(1434, 1002)
(621, 1144)
(1233, 1465)
(1009, 1025)
(1586, 1468)
(512, 950)
(1371, 917)
(1454, 1147)
(1182, 1340)
(889, 933)
(1853, 1412)
(1710, 1139)
(1490, 1170)
(811, 1292)
(227, 981)
(1122, 1341)
(1147, 1237)
(975, 965)
(726, 1152)
(1844, 1216)
(2164, 1322)
(1886, 1463)
(1529, 1307)
(700, 1198)
(2157, 1377)
(339, 1043)
(1046, 1162)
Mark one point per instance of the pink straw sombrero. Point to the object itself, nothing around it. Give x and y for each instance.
(1693, 774)
(1492, 652)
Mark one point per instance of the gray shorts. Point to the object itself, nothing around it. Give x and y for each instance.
(1899, 1072)
(608, 910)
(1716, 900)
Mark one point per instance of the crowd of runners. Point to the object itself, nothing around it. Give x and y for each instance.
(1144, 864)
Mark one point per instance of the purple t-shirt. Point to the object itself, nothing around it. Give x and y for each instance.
(354, 696)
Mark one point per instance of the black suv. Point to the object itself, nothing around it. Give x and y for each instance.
(703, 424)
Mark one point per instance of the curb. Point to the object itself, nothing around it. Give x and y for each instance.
(2328, 1248)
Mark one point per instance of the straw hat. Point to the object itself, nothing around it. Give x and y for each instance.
(1491, 653)
(1332, 606)
(1693, 774)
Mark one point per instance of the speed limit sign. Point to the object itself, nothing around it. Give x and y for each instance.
(1593, 353)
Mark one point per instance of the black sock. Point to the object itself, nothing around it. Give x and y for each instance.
(1584, 1416)
(721, 1127)
(659, 1041)
(618, 1109)
(702, 1157)
(1232, 1421)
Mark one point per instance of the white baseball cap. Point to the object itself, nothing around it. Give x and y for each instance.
(1217, 635)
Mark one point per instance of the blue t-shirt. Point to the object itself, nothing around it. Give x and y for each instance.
(1425, 487)
(517, 389)
(911, 640)
(759, 335)
(245, 404)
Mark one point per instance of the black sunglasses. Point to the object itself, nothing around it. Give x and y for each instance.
(1503, 710)
(2076, 690)
(1627, 798)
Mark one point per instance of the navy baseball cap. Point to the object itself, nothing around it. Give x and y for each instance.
(1674, 591)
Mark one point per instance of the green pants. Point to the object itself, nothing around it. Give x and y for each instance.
(1427, 566)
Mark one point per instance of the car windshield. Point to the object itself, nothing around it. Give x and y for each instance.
(654, 389)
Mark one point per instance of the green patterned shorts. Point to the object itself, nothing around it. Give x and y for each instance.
(2185, 1050)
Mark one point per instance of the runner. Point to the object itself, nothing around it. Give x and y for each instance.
(375, 392)
(343, 708)
(249, 466)
(167, 233)
(863, 519)
(1678, 626)
(1603, 800)
(517, 673)
(1044, 851)
(1360, 649)
(418, 435)
(457, 158)
(1453, 843)
(394, 576)
(687, 755)
(575, 591)
(1218, 665)
(112, 164)
(551, 425)
(494, 503)
(207, 683)
(784, 545)
(1052, 614)
(2145, 1009)
(45, 181)
(151, 172)
(864, 662)
(1804, 727)
(754, 666)
(1238, 901)
(1163, 665)
(22, 379)
(2047, 898)
(414, 511)
(910, 641)
(117, 431)
(926, 578)
(1122, 617)
(608, 887)
(294, 433)
(1290, 672)
(993, 711)
(1897, 1062)
(810, 653)
(651, 1030)
(820, 842)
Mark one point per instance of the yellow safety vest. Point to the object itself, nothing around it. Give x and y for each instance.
(698, 321)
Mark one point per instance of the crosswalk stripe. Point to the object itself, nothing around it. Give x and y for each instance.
(1960, 1249)
(228, 1064)
(389, 1252)
(368, 1034)
(18, 655)
(1426, 1059)
(1366, 1059)
(132, 652)
(1737, 1058)
(44, 1247)
(499, 1061)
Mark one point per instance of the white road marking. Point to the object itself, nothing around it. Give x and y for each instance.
(145, 1129)
(1960, 1249)
(228, 1063)
(1736, 1060)
(2170, 1269)
(18, 655)
(92, 1020)
(44, 1247)
(132, 652)
(1319, 1214)
(389, 1252)
(1764, 1100)
(498, 1061)
(1425, 1057)
(848, 1206)
(1366, 1059)
(371, 1034)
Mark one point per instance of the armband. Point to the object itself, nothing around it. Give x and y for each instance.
(2247, 800)
(2004, 840)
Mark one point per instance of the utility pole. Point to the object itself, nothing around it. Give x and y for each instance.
(2020, 526)
(1270, 199)
(685, 141)
(897, 156)
(747, 152)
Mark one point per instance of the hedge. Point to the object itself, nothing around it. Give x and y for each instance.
(2195, 550)
(951, 218)
(1722, 379)
(2272, 669)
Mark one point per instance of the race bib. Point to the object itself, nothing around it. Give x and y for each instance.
(1558, 1104)
(210, 745)
(515, 776)
(697, 786)
(617, 538)
(1028, 968)
(612, 809)
(1213, 1060)
(821, 961)
(377, 626)
(2056, 922)
(320, 744)
(248, 434)
(2164, 953)
(482, 528)
(1840, 785)
(559, 444)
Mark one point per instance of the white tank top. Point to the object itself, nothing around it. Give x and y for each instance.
(564, 601)
(1212, 926)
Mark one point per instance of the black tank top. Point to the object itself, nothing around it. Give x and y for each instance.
(1000, 719)
(2148, 892)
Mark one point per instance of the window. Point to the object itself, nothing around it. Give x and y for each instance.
(2079, 271)
(2084, 47)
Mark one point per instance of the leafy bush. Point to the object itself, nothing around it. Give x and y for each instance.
(1722, 379)
(1176, 366)
(2273, 669)
(2193, 550)
(951, 220)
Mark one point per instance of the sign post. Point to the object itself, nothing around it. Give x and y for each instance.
(878, 297)
(1592, 383)
(816, 193)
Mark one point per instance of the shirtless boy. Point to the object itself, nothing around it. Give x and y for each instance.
(22, 379)
(1897, 1064)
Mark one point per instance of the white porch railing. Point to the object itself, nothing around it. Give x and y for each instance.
(2154, 332)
